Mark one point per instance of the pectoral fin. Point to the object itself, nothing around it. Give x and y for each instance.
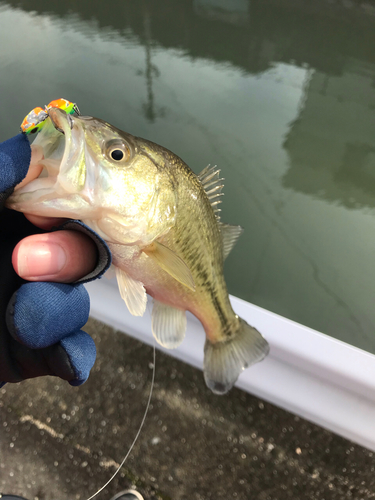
(171, 263)
(133, 292)
(168, 325)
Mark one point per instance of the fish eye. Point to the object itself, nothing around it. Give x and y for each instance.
(117, 151)
(117, 154)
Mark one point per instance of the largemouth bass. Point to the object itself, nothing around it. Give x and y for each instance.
(162, 225)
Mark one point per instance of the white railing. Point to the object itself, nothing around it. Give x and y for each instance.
(308, 373)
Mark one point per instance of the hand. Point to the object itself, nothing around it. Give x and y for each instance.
(40, 321)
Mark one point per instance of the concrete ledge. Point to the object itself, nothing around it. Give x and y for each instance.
(308, 373)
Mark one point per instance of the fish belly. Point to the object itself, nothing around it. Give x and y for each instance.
(163, 287)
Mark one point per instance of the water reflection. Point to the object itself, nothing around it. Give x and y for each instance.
(331, 144)
(151, 71)
(280, 94)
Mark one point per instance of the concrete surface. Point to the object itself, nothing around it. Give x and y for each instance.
(59, 442)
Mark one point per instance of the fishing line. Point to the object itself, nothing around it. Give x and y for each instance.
(138, 432)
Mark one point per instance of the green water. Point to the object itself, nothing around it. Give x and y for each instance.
(279, 94)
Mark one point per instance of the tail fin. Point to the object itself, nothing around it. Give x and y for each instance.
(224, 361)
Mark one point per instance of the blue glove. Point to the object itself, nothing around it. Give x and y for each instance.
(39, 321)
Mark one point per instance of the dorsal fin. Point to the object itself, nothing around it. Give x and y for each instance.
(212, 184)
(230, 235)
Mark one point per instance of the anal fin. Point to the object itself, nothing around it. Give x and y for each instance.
(133, 292)
(168, 325)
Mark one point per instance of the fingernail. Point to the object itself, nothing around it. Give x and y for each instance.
(40, 260)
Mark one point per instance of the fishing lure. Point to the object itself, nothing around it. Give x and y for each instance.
(35, 120)
(67, 106)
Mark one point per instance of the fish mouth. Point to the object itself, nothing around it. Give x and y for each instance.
(61, 120)
(58, 149)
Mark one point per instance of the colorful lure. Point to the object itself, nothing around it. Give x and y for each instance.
(35, 120)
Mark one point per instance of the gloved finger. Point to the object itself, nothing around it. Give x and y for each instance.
(81, 351)
(61, 256)
(15, 155)
(70, 359)
(41, 314)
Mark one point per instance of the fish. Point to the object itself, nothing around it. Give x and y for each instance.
(162, 224)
